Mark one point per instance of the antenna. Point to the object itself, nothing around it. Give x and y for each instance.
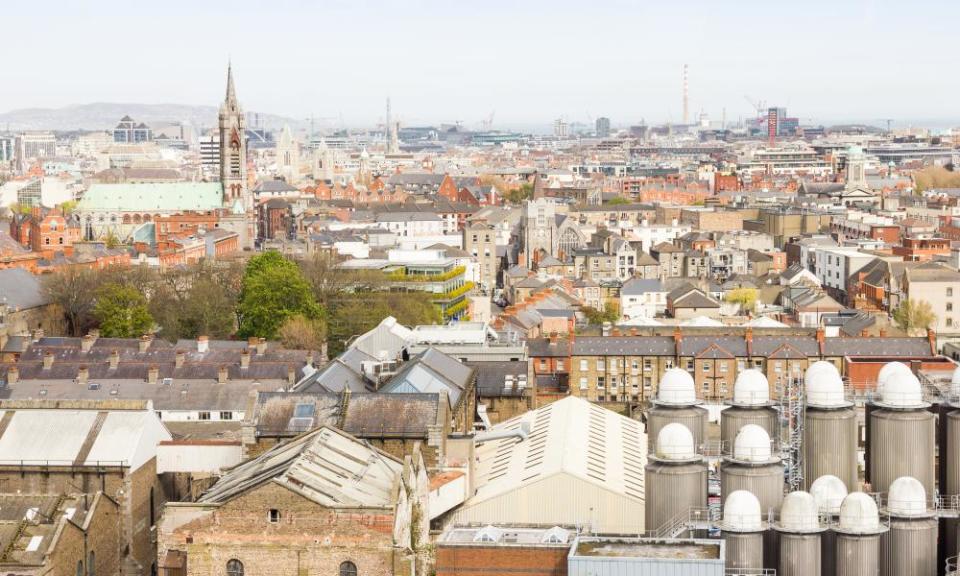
(686, 103)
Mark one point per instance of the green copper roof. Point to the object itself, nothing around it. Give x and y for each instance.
(160, 196)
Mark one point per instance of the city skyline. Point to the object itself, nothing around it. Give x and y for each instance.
(524, 65)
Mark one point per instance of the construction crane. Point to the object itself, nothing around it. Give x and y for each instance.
(889, 121)
(487, 123)
(759, 105)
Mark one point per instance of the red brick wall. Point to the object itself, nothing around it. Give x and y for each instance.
(498, 560)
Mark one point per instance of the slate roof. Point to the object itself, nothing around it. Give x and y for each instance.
(639, 286)
(491, 377)
(21, 290)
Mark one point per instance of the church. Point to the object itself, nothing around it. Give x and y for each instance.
(127, 211)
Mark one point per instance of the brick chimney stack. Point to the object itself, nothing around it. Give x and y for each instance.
(179, 358)
(153, 374)
(114, 359)
(245, 359)
(48, 361)
(222, 375)
(144, 343)
(83, 375)
(13, 375)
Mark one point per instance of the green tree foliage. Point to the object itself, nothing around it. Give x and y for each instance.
(519, 195)
(302, 333)
(122, 312)
(610, 313)
(914, 316)
(274, 289)
(618, 201)
(197, 300)
(745, 297)
(74, 292)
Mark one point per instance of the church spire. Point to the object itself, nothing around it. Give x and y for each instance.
(231, 99)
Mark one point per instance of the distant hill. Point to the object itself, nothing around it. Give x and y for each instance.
(105, 115)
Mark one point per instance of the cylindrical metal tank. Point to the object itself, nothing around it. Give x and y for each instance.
(858, 555)
(734, 418)
(910, 547)
(672, 489)
(799, 555)
(902, 443)
(829, 492)
(763, 480)
(693, 417)
(858, 536)
(828, 553)
(830, 445)
(951, 459)
(744, 550)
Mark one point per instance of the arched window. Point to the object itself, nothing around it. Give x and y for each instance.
(92, 565)
(348, 568)
(234, 568)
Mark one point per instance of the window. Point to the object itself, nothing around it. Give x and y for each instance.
(634, 366)
(778, 367)
(949, 306)
(583, 366)
(613, 364)
(949, 321)
(226, 415)
(273, 516)
(234, 567)
(204, 416)
(600, 364)
(723, 367)
(79, 567)
(949, 292)
(92, 565)
(600, 382)
(689, 365)
(706, 366)
(543, 364)
(348, 569)
(583, 383)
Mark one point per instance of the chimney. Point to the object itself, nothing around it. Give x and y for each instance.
(261, 346)
(605, 329)
(822, 340)
(677, 336)
(203, 344)
(86, 343)
(114, 359)
(615, 331)
(83, 374)
(252, 342)
(13, 375)
(48, 361)
(309, 361)
(572, 327)
(633, 331)
(95, 332)
(883, 332)
(153, 373)
(864, 333)
(144, 343)
(932, 338)
(222, 375)
(245, 359)
(748, 339)
(553, 338)
(178, 359)
(37, 334)
(291, 375)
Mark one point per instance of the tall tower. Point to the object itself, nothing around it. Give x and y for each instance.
(392, 140)
(233, 151)
(686, 103)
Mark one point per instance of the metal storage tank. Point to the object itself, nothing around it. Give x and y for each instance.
(829, 492)
(910, 546)
(677, 401)
(950, 462)
(676, 478)
(799, 529)
(902, 440)
(858, 536)
(750, 405)
(742, 531)
(754, 468)
(830, 428)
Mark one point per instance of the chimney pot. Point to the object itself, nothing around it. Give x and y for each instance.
(83, 374)
(114, 359)
(48, 361)
(291, 375)
(883, 332)
(144, 343)
(86, 343)
(13, 375)
(203, 344)
(222, 375)
(261, 346)
(864, 333)
(153, 373)
(179, 358)
(245, 359)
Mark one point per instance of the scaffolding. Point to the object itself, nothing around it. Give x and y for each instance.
(790, 392)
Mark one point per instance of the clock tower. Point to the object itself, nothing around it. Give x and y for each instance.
(233, 151)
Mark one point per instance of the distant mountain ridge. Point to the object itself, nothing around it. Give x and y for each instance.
(105, 115)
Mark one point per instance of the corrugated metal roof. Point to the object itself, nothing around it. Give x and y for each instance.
(163, 196)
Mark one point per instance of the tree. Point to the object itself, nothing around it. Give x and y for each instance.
(196, 300)
(353, 313)
(122, 312)
(610, 313)
(745, 297)
(519, 195)
(618, 201)
(74, 292)
(914, 316)
(935, 177)
(302, 333)
(274, 289)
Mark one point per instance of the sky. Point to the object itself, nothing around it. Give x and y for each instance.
(523, 62)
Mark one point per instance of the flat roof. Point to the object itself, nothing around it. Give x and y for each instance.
(649, 549)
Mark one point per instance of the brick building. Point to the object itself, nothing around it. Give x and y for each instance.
(324, 503)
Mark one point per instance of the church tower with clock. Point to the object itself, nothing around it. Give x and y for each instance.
(233, 152)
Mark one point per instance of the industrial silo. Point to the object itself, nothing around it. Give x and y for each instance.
(902, 439)
(910, 546)
(676, 478)
(742, 530)
(829, 492)
(883, 376)
(858, 536)
(800, 529)
(677, 401)
(752, 466)
(830, 428)
(950, 463)
(750, 405)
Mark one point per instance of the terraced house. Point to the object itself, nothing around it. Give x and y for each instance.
(627, 367)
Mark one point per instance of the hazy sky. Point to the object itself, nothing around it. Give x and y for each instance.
(461, 60)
